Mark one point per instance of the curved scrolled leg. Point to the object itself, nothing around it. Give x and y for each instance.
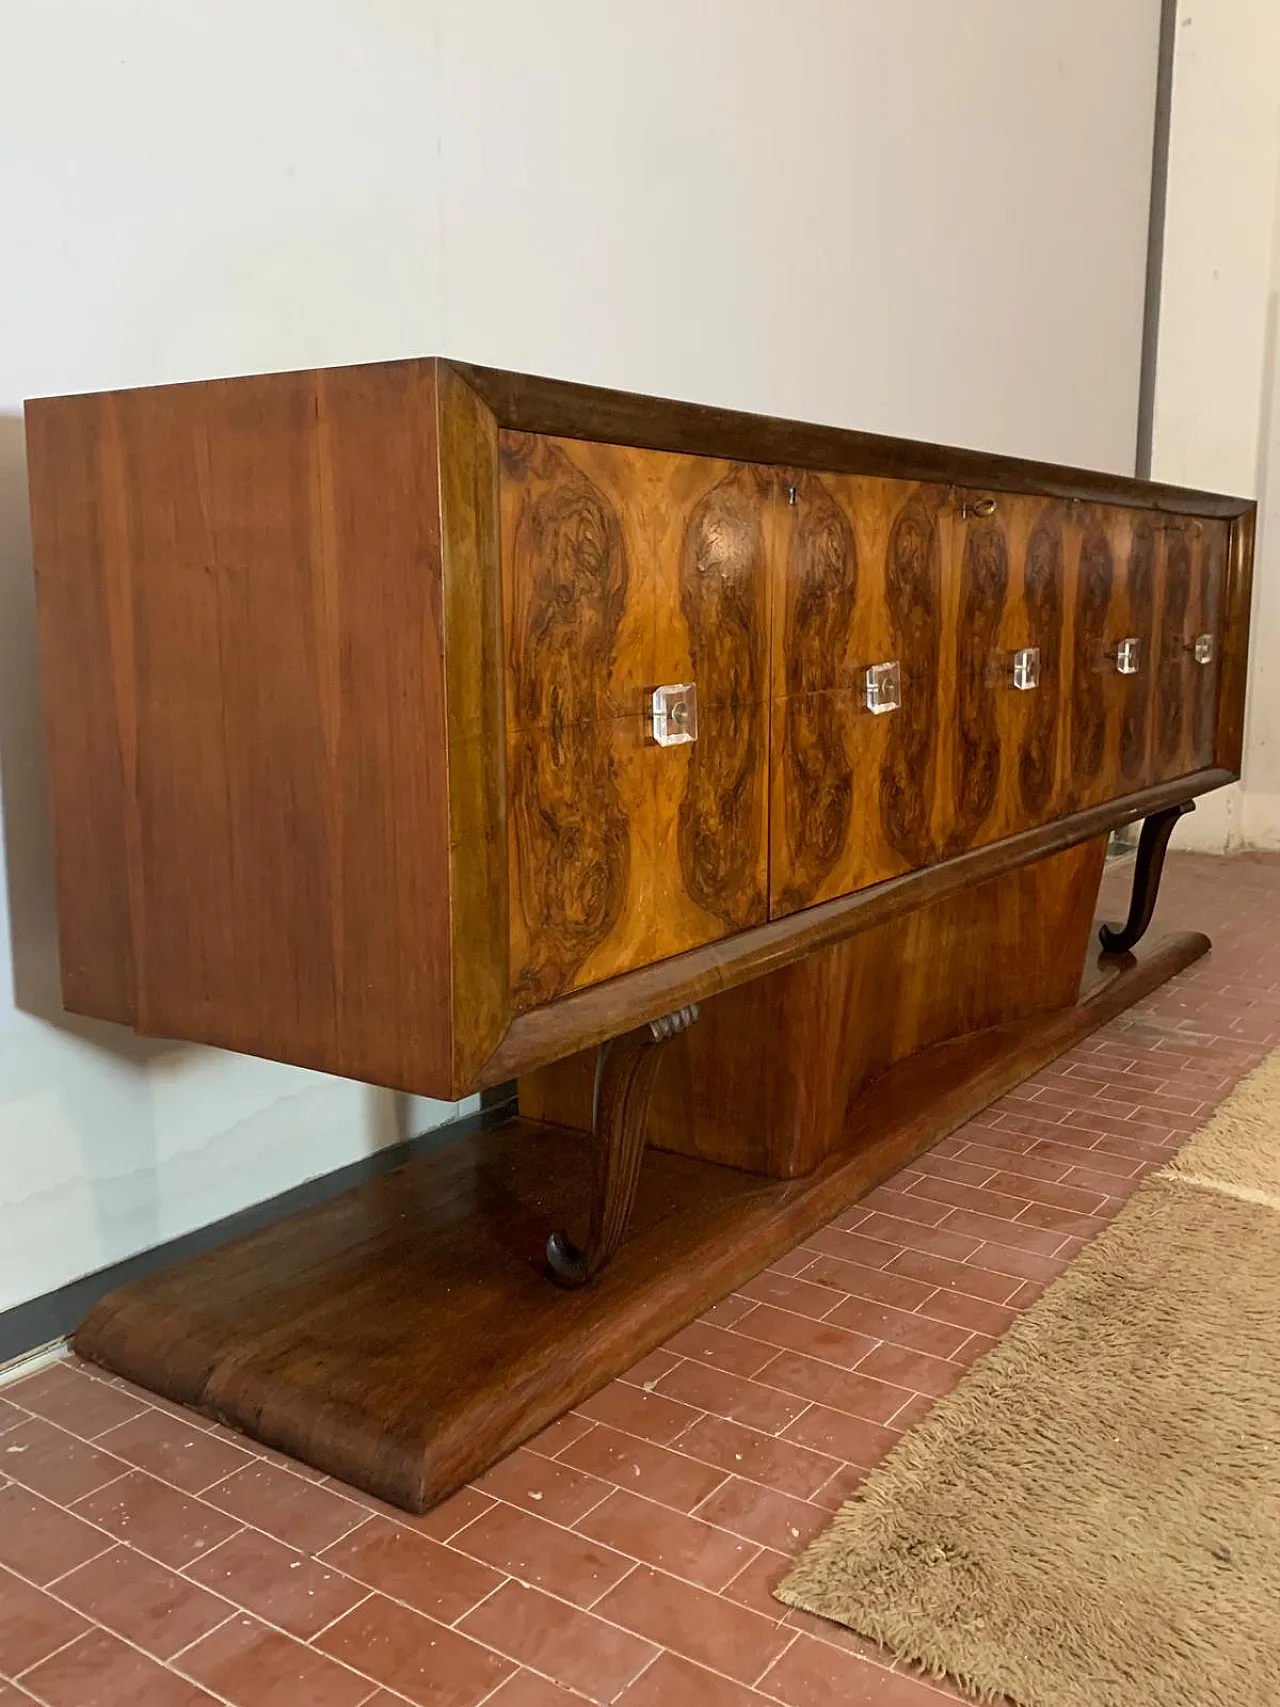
(625, 1069)
(1152, 843)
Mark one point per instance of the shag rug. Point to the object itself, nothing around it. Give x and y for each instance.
(1092, 1518)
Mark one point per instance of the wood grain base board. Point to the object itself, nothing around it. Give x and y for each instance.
(403, 1336)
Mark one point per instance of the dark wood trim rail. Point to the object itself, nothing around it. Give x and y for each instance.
(527, 403)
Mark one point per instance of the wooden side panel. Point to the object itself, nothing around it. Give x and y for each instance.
(622, 571)
(1003, 746)
(1237, 604)
(858, 581)
(271, 552)
(89, 706)
(471, 589)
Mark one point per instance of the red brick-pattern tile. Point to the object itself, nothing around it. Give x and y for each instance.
(147, 1604)
(247, 1661)
(414, 1655)
(628, 1551)
(277, 1583)
(40, 1456)
(573, 1648)
(101, 1669)
(33, 1624)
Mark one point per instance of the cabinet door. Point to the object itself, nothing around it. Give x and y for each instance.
(1186, 697)
(1114, 585)
(1006, 651)
(858, 583)
(624, 571)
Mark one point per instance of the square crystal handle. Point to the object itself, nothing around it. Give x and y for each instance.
(1202, 647)
(1026, 669)
(884, 687)
(1128, 656)
(675, 714)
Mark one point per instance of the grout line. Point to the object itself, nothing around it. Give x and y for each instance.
(252, 1617)
(453, 1622)
(775, 1661)
(635, 1565)
(645, 1669)
(309, 1641)
(115, 1635)
(233, 1611)
(60, 1649)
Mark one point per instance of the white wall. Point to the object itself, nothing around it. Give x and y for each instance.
(1217, 419)
(921, 218)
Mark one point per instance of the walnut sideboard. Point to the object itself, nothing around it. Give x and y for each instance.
(738, 785)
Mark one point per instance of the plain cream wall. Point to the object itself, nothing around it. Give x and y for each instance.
(1217, 396)
(921, 218)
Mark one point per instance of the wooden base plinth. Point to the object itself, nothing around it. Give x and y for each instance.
(405, 1335)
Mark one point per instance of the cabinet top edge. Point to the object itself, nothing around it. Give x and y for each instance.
(568, 409)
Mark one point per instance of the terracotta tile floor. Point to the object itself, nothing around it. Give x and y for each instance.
(148, 1557)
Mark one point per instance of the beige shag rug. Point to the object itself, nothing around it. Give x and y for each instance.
(1092, 1519)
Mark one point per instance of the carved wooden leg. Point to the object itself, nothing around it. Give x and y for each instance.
(1156, 830)
(625, 1068)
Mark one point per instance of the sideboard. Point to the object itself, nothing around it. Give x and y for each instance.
(739, 786)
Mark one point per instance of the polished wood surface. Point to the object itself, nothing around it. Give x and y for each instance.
(1186, 690)
(1005, 749)
(1237, 603)
(89, 700)
(587, 1017)
(532, 403)
(404, 1336)
(347, 675)
(858, 582)
(767, 1078)
(623, 570)
(471, 603)
(280, 710)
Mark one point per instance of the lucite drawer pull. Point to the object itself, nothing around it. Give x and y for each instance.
(884, 687)
(1128, 655)
(675, 714)
(1026, 669)
(1202, 648)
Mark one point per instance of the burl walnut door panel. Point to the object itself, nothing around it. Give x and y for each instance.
(625, 570)
(1115, 596)
(858, 583)
(1194, 558)
(1006, 662)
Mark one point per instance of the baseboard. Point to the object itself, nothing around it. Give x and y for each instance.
(27, 1328)
(1261, 820)
(1231, 820)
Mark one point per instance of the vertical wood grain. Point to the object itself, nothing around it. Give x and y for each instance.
(88, 707)
(858, 580)
(624, 570)
(1120, 591)
(471, 587)
(265, 560)
(1233, 676)
(757, 1085)
(1004, 770)
(1187, 695)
